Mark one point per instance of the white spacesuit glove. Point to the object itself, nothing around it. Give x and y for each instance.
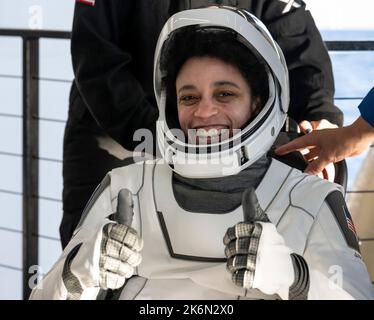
(120, 248)
(108, 257)
(259, 258)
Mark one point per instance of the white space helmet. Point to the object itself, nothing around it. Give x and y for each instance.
(229, 156)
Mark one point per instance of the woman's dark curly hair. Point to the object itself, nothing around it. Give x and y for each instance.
(212, 42)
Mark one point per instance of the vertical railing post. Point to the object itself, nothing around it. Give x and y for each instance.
(30, 157)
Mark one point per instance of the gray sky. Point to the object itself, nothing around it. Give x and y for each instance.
(342, 14)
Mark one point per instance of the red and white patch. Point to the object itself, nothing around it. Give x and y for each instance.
(89, 2)
(349, 221)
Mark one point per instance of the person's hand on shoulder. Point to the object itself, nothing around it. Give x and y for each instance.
(331, 145)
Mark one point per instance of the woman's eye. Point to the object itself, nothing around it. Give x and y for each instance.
(225, 96)
(188, 100)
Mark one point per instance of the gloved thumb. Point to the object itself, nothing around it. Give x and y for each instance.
(125, 207)
(306, 126)
(252, 210)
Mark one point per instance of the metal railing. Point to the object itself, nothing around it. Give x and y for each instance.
(30, 147)
(30, 156)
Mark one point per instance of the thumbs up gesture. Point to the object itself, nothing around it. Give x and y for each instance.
(104, 258)
(257, 256)
(120, 246)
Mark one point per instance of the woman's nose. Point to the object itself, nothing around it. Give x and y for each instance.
(205, 109)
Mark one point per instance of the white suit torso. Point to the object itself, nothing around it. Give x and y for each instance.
(183, 254)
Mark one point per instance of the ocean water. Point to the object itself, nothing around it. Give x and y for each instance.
(353, 73)
(346, 35)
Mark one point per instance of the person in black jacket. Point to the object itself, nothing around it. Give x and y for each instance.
(112, 46)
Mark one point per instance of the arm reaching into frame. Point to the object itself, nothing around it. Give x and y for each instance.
(331, 145)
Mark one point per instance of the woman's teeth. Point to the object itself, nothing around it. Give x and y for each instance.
(207, 133)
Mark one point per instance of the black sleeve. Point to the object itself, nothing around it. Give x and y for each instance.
(309, 64)
(102, 68)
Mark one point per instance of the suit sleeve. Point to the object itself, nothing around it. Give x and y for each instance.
(366, 107)
(335, 266)
(74, 275)
(101, 38)
(309, 64)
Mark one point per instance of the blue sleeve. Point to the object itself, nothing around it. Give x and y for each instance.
(366, 107)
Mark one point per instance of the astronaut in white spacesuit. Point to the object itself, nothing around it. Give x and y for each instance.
(215, 218)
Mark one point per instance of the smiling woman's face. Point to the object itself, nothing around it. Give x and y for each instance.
(213, 99)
